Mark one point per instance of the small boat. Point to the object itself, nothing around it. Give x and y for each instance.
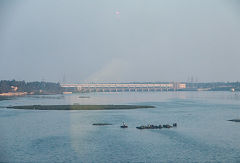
(141, 127)
(157, 126)
(167, 126)
(124, 125)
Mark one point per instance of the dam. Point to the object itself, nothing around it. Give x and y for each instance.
(123, 87)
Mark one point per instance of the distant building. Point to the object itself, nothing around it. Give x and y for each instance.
(181, 86)
(14, 88)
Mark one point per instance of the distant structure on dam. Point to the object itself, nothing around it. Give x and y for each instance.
(122, 87)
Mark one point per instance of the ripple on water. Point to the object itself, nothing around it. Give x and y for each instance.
(52, 148)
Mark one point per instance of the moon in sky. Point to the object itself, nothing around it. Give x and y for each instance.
(117, 12)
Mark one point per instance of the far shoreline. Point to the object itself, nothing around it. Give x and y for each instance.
(80, 107)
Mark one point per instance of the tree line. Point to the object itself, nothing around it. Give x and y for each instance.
(36, 87)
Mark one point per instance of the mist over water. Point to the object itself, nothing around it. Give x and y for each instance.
(203, 132)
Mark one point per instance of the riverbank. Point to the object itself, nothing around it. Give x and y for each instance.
(80, 107)
(12, 94)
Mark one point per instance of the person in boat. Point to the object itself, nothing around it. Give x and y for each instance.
(124, 125)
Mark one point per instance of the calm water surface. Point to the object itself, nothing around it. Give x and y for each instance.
(203, 133)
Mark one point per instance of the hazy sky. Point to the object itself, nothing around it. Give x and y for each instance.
(120, 40)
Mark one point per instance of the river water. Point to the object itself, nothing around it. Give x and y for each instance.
(203, 133)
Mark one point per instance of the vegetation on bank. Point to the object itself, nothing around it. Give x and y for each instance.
(214, 86)
(30, 87)
(80, 107)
